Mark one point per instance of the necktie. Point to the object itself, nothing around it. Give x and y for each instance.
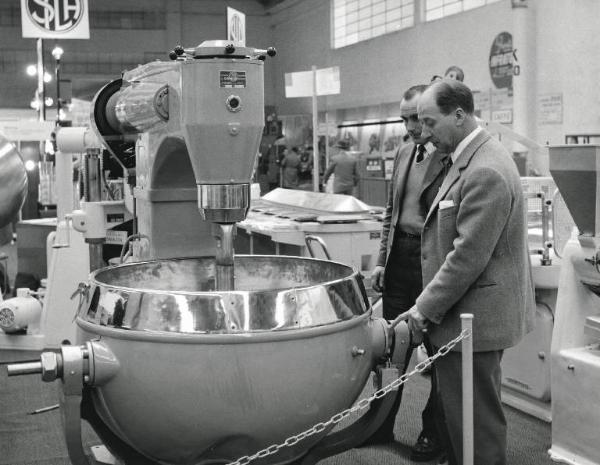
(447, 165)
(420, 153)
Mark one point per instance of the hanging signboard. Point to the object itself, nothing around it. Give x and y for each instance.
(501, 61)
(300, 83)
(550, 109)
(236, 26)
(55, 19)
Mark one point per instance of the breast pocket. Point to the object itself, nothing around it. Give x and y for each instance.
(448, 212)
(446, 229)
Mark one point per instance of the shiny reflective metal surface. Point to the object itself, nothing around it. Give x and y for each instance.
(316, 201)
(13, 182)
(224, 203)
(179, 296)
(224, 262)
(137, 105)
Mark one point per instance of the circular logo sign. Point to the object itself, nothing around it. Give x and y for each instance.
(501, 61)
(55, 15)
(236, 28)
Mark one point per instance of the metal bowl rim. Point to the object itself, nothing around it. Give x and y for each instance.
(250, 337)
(93, 281)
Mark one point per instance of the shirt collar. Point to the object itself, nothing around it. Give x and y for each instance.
(463, 143)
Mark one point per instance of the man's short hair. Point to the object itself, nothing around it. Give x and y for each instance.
(414, 90)
(451, 94)
(460, 74)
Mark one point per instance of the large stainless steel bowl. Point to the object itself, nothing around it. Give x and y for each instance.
(208, 376)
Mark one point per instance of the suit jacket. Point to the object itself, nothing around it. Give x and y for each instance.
(291, 166)
(402, 162)
(474, 251)
(345, 168)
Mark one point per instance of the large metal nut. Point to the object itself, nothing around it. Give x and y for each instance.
(49, 366)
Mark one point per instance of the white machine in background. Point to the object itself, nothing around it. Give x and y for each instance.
(73, 250)
(282, 219)
(526, 367)
(576, 338)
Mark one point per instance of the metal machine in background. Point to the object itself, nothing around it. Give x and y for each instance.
(282, 219)
(526, 367)
(256, 349)
(576, 337)
(13, 182)
(73, 250)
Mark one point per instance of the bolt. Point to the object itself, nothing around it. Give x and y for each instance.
(356, 351)
(49, 366)
(571, 367)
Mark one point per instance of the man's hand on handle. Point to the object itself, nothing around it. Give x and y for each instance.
(377, 278)
(417, 323)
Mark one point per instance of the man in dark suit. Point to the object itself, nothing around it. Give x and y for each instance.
(418, 171)
(475, 259)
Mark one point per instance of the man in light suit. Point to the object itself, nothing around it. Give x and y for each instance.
(418, 172)
(475, 259)
(344, 167)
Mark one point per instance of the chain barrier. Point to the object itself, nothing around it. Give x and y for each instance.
(360, 405)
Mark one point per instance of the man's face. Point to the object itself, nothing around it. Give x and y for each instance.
(408, 112)
(452, 75)
(440, 129)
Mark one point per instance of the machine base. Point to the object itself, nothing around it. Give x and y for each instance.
(102, 456)
(558, 454)
(22, 341)
(535, 408)
(575, 400)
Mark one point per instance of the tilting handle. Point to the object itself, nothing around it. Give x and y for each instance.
(309, 238)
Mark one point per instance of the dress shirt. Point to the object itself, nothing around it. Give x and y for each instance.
(463, 143)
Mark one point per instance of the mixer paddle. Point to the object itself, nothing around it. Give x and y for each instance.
(224, 279)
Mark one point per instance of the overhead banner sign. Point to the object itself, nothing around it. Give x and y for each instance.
(236, 26)
(300, 84)
(55, 19)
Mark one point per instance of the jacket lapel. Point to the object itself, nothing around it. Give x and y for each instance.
(402, 169)
(455, 170)
(436, 165)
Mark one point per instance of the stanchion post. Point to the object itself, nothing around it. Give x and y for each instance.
(467, 388)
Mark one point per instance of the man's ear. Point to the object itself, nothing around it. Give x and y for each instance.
(459, 115)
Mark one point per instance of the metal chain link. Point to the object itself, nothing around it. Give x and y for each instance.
(362, 404)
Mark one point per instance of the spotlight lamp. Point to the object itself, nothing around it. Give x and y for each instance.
(57, 52)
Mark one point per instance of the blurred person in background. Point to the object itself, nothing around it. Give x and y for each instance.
(344, 168)
(290, 165)
(454, 72)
